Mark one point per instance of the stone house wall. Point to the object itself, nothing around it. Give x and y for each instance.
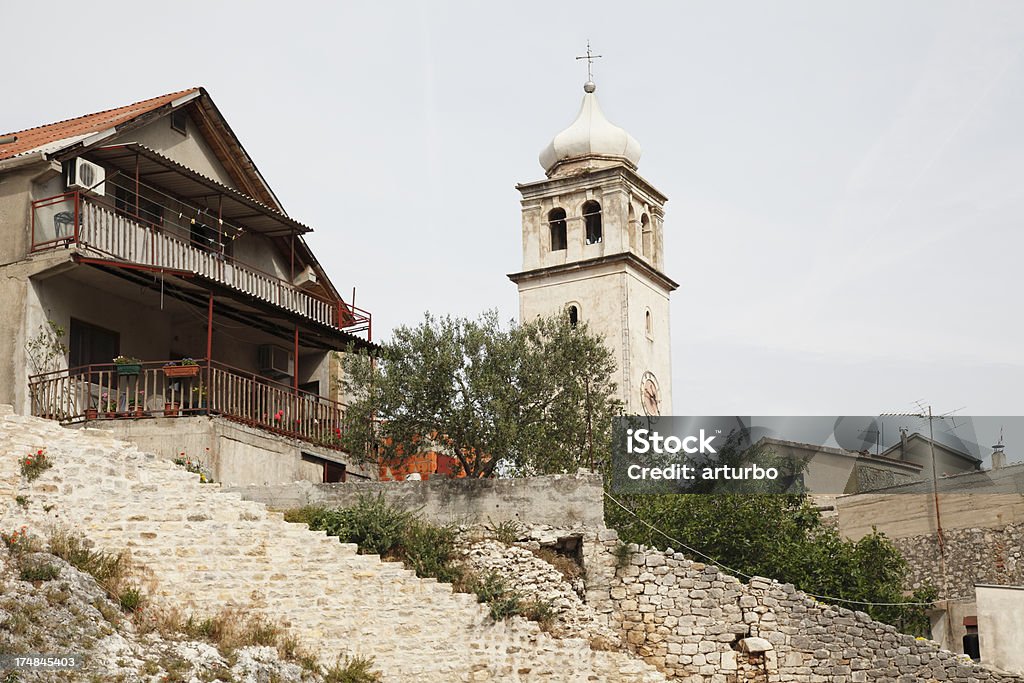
(993, 556)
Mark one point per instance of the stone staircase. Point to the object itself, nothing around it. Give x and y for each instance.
(205, 550)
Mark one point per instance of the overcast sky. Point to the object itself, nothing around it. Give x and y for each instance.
(845, 180)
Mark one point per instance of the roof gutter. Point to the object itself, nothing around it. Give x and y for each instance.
(24, 160)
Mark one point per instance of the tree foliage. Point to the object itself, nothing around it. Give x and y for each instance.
(777, 536)
(524, 399)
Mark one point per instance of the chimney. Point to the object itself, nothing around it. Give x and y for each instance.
(998, 457)
(903, 443)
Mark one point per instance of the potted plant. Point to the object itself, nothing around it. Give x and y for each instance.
(171, 409)
(186, 368)
(136, 408)
(91, 413)
(108, 406)
(128, 365)
(198, 397)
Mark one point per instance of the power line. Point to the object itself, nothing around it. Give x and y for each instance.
(721, 565)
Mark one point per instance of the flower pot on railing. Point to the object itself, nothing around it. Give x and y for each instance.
(181, 370)
(91, 413)
(127, 366)
(187, 368)
(171, 409)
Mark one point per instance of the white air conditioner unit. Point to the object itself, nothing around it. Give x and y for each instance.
(307, 278)
(276, 361)
(84, 175)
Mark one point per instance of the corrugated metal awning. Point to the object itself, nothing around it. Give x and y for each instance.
(179, 180)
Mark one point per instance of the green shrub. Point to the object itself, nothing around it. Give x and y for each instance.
(347, 669)
(391, 532)
(541, 611)
(107, 568)
(492, 588)
(38, 570)
(130, 599)
(430, 551)
(211, 628)
(372, 524)
(508, 532)
(304, 515)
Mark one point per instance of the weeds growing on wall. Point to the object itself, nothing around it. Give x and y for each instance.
(504, 601)
(378, 527)
(34, 464)
(508, 532)
(19, 541)
(348, 669)
(195, 466)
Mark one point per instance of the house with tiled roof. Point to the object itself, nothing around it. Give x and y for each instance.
(152, 284)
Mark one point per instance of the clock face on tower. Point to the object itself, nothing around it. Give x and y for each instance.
(650, 394)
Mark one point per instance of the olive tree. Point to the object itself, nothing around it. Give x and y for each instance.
(515, 399)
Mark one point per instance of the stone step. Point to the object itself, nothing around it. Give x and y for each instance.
(206, 549)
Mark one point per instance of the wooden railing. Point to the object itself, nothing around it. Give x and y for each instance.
(73, 219)
(154, 389)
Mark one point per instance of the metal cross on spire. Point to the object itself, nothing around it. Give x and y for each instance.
(590, 57)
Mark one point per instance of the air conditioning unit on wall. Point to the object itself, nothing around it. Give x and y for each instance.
(276, 361)
(307, 278)
(84, 175)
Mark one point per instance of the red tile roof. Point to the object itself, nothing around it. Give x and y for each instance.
(90, 123)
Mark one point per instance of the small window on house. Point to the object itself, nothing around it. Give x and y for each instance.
(334, 472)
(649, 325)
(592, 220)
(574, 315)
(556, 222)
(179, 121)
(646, 235)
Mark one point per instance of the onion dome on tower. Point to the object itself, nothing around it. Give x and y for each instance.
(591, 139)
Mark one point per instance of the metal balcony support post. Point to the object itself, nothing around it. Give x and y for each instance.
(137, 186)
(78, 214)
(209, 353)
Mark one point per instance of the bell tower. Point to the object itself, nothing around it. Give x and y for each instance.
(593, 249)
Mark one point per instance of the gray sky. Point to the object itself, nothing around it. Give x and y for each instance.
(845, 180)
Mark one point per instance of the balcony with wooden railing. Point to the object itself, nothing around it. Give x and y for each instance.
(106, 232)
(162, 389)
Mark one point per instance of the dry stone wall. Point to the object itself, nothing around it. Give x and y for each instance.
(204, 550)
(536, 579)
(698, 624)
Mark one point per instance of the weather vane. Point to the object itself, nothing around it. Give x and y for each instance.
(590, 57)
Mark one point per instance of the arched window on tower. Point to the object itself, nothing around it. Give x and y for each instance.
(556, 222)
(592, 220)
(649, 325)
(646, 237)
(574, 314)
